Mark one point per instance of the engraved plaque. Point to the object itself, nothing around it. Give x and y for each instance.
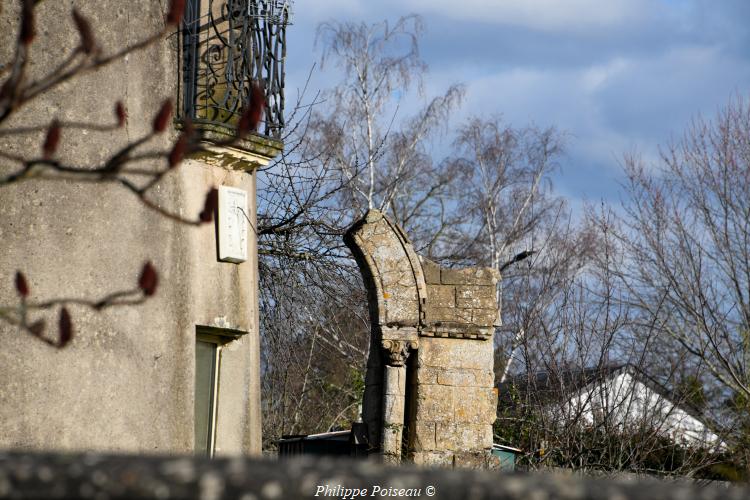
(233, 224)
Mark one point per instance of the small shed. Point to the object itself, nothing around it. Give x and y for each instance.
(507, 456)
(341, 443)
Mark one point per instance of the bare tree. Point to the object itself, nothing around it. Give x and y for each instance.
(349, 152)
(504, 195)
(686, 238)
(380, 156)
(586, 398)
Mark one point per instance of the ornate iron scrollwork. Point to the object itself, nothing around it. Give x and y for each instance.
(226, 45)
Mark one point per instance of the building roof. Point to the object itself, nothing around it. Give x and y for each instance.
(549, 387)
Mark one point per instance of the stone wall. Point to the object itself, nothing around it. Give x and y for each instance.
(460, 302)
(184, 477)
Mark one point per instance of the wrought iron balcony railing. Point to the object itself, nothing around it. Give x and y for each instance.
(226, 46)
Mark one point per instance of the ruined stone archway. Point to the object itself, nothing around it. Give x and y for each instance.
(430, 368)
(396, 289)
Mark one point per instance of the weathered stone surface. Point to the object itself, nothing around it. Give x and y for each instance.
(424, 436)
(476, 297)
(391, 270)
(396, 352)
(470, 276)
(434, 403)
(484, 317)
(403, 333)
(433, 458)
(475, 460)
(427, 375)
(395, 380)
(439, 296)
(474, 405)
(463, 437)
(431, 271)
(457, 330)
(448, 314)
(394, 389)
(485, 378)
(462, 377)
(187, 477)
(455, 353)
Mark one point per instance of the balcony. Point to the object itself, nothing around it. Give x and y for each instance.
(226, 46)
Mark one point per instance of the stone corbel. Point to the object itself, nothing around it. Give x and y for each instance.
(221, 148)
(398, 350)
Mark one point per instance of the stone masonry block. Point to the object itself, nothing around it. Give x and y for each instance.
(484, 317)
(474, 405)
(463, 378)
(441, 296)
(433, 458)
(463, 437)
(476, 297)
(427, 375)
(467, 377)
(476, 460)
(448, 314)
(391, 439)
(424, 436)
(484, 378)
(456, 353)
(434, 403)
(431, 271)
(470, 276)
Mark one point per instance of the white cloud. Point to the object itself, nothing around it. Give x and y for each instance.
(547, 15)
(597, 76)
(312, 12)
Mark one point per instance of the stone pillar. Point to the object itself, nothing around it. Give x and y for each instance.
(456, 405)
(394, 394)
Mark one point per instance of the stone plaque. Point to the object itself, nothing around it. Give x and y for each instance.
(233, 224)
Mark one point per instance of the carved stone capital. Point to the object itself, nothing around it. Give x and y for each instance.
(397, 351)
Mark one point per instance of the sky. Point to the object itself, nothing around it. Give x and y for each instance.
(616, 76)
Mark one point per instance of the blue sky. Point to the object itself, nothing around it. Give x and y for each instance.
(614, 75)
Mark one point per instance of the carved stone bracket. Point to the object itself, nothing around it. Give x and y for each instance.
(398, 350)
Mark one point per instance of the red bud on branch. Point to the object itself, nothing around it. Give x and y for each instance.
(66, 328)
(120, 113)
(88, 44)
(28, 30)
(162, 118)
(250, 118)
(22, 287)
(148, 280)
(210, 206)
(187, 127)
(52, 140)
(178, 151)
(176, 11)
